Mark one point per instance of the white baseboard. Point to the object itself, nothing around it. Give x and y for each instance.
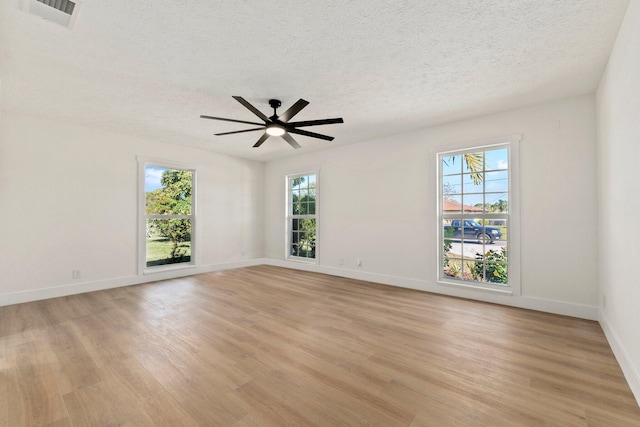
(629, 370)
(549, 306)
(99, 285)
(172, 273)
(531, 303)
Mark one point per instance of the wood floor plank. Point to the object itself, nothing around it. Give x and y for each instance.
(33, 393)
(104, 404)
(267, 346)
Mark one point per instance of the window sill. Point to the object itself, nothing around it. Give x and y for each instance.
(303, 260)
(506, 290)
(165, 268)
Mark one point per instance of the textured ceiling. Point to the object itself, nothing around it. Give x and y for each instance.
(150, 68)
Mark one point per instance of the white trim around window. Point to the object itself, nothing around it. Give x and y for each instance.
(302, 204)
(470, 194)
(143, 164)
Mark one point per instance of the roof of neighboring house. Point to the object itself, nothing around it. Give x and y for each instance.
(451, 206)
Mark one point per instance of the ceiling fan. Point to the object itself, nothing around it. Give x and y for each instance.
(278, 125)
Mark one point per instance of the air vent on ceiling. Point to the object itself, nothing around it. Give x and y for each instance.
(63, 12)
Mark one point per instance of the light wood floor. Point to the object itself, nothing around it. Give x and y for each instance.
(265, 346)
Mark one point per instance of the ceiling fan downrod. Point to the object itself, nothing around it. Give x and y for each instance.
(275, 104)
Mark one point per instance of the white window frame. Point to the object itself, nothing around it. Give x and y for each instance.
(143, 162)
(289, 217)
(513, 215)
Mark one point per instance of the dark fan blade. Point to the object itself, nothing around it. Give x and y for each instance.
(292, 142)
(262, 139)
(315, 122)
(231, 120)
(311, 134)
(239, 131)
(251, 108)
(295, 109)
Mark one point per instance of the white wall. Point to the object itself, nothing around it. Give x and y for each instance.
(377, 204)
(69, 201)
(618, 112)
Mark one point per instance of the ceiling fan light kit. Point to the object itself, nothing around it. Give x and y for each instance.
(275, 130)
(278, 125)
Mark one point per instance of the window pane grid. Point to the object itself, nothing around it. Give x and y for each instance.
(169, 218)
(474, 212)
(302, 213)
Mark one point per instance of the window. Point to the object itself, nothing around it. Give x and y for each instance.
(476, 217)
(167, 215)
(302, 216)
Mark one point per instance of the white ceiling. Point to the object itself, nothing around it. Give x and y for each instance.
(150, 68)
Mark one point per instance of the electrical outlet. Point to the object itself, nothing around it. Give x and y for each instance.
(359, 262)
(75, 274)
(341, 261)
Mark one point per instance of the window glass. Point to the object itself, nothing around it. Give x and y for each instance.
(302, 216)
(474, 212)
(168, 195)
